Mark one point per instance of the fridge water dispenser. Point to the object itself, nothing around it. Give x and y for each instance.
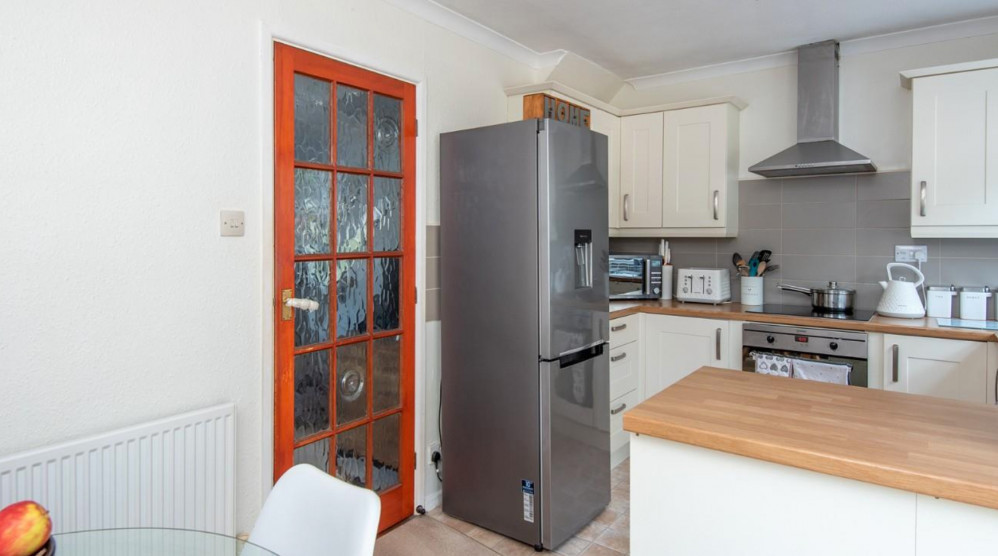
(583, 259)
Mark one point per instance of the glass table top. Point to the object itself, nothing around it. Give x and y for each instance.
(153, 542)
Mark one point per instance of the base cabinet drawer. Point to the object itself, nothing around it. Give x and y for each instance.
(623, 369)
(623, 330)
(618, 436)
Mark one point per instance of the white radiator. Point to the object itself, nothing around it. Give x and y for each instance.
(177, 472)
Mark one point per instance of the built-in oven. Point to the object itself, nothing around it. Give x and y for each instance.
(635, 276)
(776, 344)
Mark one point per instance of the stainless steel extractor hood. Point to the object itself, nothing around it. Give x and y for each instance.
(818, 151)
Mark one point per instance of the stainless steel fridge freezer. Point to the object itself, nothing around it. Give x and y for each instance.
(524, 324)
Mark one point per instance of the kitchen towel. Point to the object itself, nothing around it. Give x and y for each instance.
(821, 372)
(769, 364)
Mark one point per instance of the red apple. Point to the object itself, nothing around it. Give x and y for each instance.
(24, 528)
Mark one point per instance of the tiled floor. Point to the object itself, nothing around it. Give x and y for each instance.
(607, 535)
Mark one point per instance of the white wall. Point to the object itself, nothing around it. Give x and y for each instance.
(875, 112)
(126, 126)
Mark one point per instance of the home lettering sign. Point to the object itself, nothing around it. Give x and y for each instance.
(540, 105)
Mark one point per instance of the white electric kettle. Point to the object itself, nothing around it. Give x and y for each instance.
(900, 298)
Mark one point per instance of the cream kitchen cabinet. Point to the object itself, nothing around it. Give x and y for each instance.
(674, 347)
(679, 173)
(625, 371)
(954, 154)
(640, 201)
(955, 369)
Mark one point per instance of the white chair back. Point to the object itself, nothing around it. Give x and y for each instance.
(310, 513)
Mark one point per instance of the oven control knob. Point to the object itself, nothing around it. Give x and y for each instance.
(770, 339)
(834, 345)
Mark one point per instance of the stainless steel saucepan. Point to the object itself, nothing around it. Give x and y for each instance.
(832, 298)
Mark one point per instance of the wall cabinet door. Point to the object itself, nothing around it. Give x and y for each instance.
(955, 369)
(609, 125)
(674, 347)
(696, 177)
(954, 159)
(640, 204)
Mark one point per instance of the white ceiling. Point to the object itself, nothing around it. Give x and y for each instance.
(637, 38)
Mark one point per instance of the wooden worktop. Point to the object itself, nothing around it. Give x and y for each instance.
(735, 311)
(933, 446)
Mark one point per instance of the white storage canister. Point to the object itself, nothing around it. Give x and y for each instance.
(974, 302)
(939, 301)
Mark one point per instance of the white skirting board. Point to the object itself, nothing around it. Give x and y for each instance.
(177, 472)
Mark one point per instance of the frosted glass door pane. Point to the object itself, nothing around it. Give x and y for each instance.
(311, 119)
(312, 191)
(386, 293)
(385, 465)
(387, 133)
(387, 213)
(311, 393)
(351, 127)
(312, 282)
(351, 298)
(316, 453)
(387, 369)
(351, 456)
(351, 213)
(351, 379)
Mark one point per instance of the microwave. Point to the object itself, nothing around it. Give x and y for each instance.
(635, 276)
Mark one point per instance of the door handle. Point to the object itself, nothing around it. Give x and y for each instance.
(303, 304)
(622, 407)
(895, 352)
(627, 203)
(618, 328)
(620, 357)
(921, 199)
(717, 344)
(716, 195)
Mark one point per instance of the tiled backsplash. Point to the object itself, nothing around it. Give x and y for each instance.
(840, 228)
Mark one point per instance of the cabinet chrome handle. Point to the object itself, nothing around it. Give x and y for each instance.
(716, 195)
(622, 407)
(618, 328)
(895, 351)
(921, 199)
(620, 357)
(996, 386)
(627, 204)
(717, 344)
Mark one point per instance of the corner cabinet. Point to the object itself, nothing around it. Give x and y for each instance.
(954, 155)
(955, 369)
(679, 173)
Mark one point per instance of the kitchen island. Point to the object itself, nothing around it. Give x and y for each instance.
(729, 462)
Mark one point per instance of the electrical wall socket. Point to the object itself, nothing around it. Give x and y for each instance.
(911, 253)
(232, 223)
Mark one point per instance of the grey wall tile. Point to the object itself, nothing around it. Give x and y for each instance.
(432, 272)
(872, 269)
(881, 241)
(826, 189)
(828, 241)
(969, 248)
(969, 272)
(759, 192)
(700, 260)
(747, 242)
(755, 217)
(818, 267)
(820, 215)
(693, 245)
(884, 214)
(867, 295)
(634, 245)
(432, 298)
(433, 241)
(884, 185)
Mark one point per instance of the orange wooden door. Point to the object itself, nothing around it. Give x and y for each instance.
(344, 230)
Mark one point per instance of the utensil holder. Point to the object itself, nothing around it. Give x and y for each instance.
(752, 287)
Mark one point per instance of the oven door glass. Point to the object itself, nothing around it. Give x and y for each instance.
(857, 377)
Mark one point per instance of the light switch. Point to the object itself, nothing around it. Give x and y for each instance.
(233, 223)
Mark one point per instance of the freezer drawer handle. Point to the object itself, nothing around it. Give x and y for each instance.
(576, 356)
(616, 358)
(622, 407)
(618, 328)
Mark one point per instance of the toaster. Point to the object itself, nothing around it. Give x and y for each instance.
(703, 285)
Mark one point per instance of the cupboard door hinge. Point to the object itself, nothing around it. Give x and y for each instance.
(415, 460)
(417, 128)
(415, 296)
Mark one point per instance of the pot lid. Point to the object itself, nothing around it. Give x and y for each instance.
(833, 287)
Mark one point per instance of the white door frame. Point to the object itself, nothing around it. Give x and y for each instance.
(268, 35)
